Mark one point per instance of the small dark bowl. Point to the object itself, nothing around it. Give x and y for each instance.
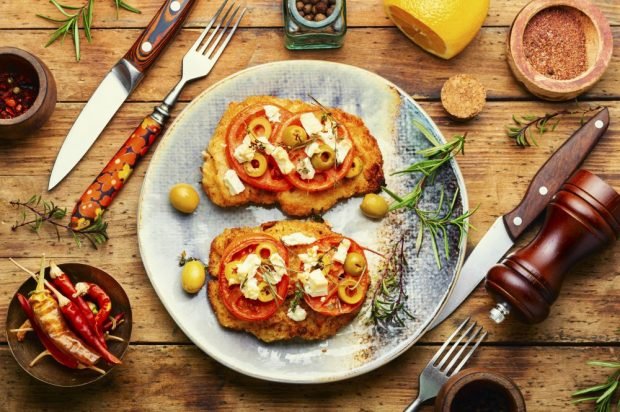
(47, 369)
(21, 61)
(471, 384)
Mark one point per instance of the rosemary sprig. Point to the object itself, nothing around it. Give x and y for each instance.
(299, 295)
(527, 127)
(389, 299)
(601, 394)
(73, 16)
(43, 211)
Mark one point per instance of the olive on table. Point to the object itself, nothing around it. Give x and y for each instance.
(354, 264)
(374, 206)
(260, 126)
(294, 136)
(356, 167)
(350, 292)
(257, 166)
(193, 276)
(324, 159)
(184, 197)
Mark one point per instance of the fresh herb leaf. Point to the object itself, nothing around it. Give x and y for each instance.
(604, 392)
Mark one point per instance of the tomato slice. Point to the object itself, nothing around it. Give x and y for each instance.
(332, 305)
(237, 304)
(322, 180)
(272, 180)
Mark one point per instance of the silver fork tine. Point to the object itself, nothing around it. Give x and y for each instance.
(230, 34)
(471, 352)
(214, 32)
(206, 30)
(447, 342)
(222, 32)
(455, 345)
(457, 357)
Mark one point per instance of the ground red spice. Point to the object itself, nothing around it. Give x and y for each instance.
(17, 94)
(555, 43)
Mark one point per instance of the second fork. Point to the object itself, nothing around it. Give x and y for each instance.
(197, 63)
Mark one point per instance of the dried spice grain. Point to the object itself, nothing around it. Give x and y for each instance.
(554, 43)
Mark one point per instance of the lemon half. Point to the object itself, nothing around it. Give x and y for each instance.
(441, 27)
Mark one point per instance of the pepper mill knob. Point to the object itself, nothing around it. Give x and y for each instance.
(582, 217)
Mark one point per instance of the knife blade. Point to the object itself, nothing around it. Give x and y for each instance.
(507, 228)
(118, 85)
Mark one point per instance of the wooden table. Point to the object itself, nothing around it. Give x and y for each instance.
(163, 370)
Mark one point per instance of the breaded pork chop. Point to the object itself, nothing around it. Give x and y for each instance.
(278, 327)
(293, 202)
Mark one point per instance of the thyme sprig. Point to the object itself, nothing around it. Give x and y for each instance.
(35, 212)
(389, 298)
(603, 393)
(299, 295)
(527, 127)
(73, 16)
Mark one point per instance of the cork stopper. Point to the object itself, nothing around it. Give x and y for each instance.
(463, 97)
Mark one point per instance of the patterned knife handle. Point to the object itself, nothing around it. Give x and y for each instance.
(99, 195)
(157, 34)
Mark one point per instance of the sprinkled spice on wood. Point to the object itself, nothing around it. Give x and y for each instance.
(17, 94)
(555, 43)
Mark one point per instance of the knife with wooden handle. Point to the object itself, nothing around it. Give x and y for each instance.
(506, 229)
(118, 85)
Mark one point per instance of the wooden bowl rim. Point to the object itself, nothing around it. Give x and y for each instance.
(70, 268)
(39, 68)
(584, 80)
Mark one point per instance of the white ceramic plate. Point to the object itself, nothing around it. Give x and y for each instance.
(164, 234)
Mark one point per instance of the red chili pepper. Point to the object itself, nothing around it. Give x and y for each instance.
(117, 319)
(62, 282)
(101, 298)
(56, 353)
(73, 314)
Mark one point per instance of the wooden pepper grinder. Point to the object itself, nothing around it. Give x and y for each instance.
(583, 217)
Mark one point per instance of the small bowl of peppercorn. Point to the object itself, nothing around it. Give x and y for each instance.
(27, 93)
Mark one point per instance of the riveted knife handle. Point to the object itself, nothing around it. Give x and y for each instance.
(100, 194)
(158, 33)
(556, 170)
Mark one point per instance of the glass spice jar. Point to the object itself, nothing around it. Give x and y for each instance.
(314, 24)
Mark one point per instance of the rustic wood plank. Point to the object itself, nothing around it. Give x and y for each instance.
(262, 13)
(496, 173)
(169, 378)
(386, 52)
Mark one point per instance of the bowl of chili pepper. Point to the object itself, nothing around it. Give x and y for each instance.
(27, 93)
(70, 327)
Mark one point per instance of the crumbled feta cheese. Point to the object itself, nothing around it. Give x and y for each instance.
(249, 267)
(310, 258)
(297, 238)
(313, 126)
(316, 284)
(298, 314)
(250, 288)
(272, 113)
(305, 169)
(233, 183)
(279, 267)
(244, 152)
(266, 144)
(284, 163)
(341, 253)
(342, 149)
(312, 148)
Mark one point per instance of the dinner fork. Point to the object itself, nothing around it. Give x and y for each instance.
(434, 375)
(197, 63)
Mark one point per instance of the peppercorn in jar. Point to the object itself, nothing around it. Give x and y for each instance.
(314, 24)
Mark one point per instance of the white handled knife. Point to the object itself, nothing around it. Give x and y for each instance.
(118, 85)
(506, 229)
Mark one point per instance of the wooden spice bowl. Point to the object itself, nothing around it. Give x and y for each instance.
(17, 60)
(47, 369)
(598, 50)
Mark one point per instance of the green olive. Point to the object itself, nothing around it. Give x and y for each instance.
(324, 159)
(260, 126)
(184, 197)
(257, 166)
(265, 249)
(354, 264)
(230, 270)
(294, 136)
(356, 167)
(193, 276)
(265, 294)
(374, 206)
